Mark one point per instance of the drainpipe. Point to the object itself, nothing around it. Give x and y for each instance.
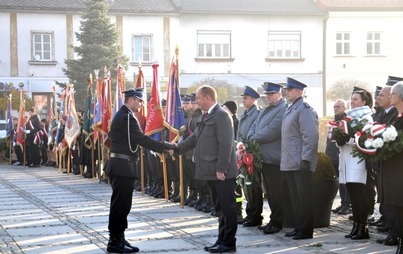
(324, 70)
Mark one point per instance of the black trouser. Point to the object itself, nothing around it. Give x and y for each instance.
(172, 169)
(398, 212)
(18, 152)
(370, 190)
(222, 195)
(254, 196)
(154, 169)
(301, 192)
(34, 154)
(44, 155)
(359, 201)
(389, 213)
(121, 203)
(189, 174)
(272, 180)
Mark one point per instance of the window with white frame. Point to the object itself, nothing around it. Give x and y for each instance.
(213, 44)
(373, 43)
(42, 46)
(343, 42)
(142, 48)
(286, 44)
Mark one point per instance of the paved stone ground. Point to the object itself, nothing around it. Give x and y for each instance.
(43, 211)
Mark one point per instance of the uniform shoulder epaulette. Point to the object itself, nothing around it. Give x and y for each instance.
(306, 105)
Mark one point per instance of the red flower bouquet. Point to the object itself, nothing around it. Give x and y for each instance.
(249, 162)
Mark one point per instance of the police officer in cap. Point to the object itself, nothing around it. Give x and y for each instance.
(121, 168)
(299, 155)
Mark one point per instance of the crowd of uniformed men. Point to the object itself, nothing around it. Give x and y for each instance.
(287, 131)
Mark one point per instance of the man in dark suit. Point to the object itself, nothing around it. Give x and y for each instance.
(121, 168)
(214, 155)
(386, 221)
(33, 127)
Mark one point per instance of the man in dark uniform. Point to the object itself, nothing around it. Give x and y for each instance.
(33, 126)
(121, 168)
(299, 155)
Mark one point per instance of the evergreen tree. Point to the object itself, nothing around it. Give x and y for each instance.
(99, 48)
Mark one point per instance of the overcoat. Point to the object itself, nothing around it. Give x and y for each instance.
(352, 169)
(299, 136)
(390, 190)
(266, 131)
(214, 146)
(245, 122)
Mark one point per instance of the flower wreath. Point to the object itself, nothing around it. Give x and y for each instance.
(347, 126)
(377, 142)
(249, 160)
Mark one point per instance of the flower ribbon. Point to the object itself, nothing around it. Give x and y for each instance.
(357, 143)
(344, 125)
(378, 129)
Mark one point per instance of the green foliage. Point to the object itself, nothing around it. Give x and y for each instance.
(4, 150)
(353, 125)
(15, 100)
(249, 162)
(98, 48)
(225, 91)
(324, 168)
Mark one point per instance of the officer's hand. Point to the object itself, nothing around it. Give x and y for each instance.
(27, 131)
(171, 146)
(305, 166)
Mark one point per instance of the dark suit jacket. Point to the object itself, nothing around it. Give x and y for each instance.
(34, 125)
(214, 145)
(390, 189)
(120, 143)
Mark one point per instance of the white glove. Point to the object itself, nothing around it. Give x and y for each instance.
(14, 144)
(27, 131)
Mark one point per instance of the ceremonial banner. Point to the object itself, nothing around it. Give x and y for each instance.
(175, 117)
(118, 102)
(72, 128)
(9, 125)
(142, 114)
(21, 122)
(155, 118)
(87, 116)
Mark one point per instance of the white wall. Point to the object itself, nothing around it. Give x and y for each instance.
(4, 44)
(373, 70)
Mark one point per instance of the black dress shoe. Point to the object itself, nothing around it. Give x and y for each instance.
(119, 248)
(383, 229)
(337, 210)
(263, 227)
(381, 241)
(390, 241)
(127, 244)
(377, 222)
(252, 223)
(207, 248)
(222, 248)
(271, 230)
(302, 236)
(291, 233)
(345, 210)
(243, 220)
